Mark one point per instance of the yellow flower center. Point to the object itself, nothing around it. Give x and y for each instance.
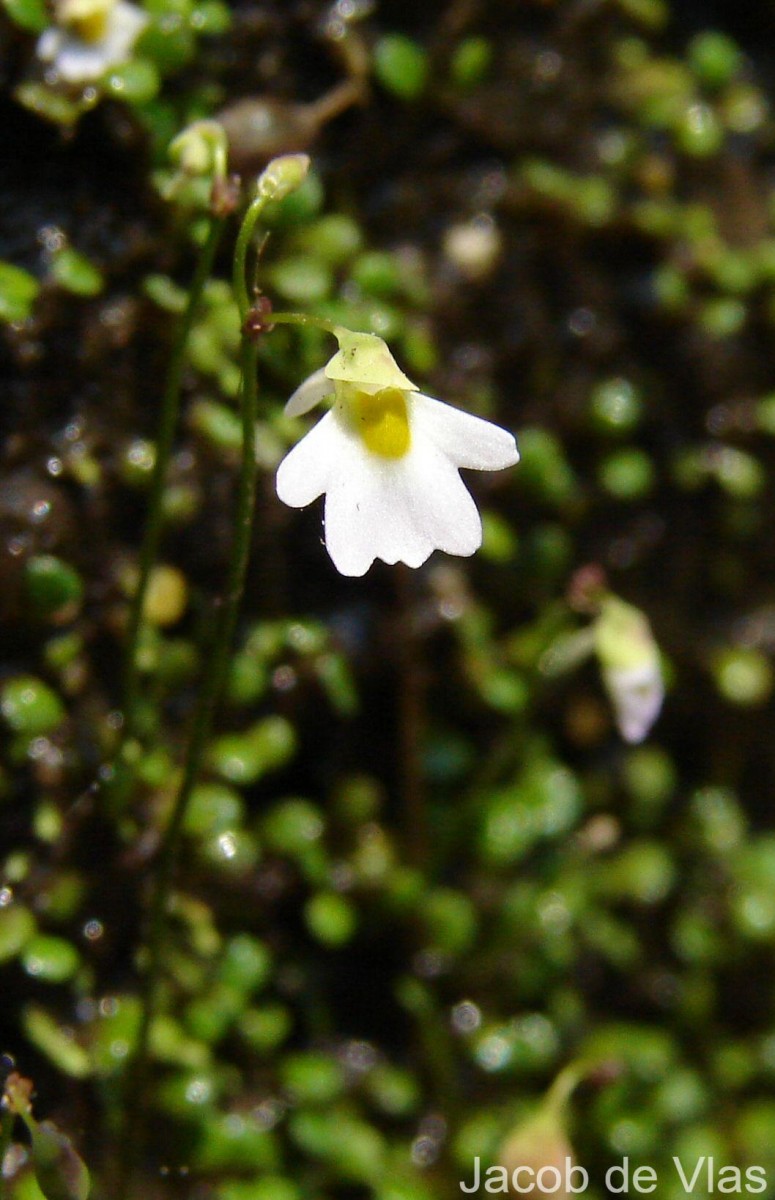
(87, 19)
(382, 421)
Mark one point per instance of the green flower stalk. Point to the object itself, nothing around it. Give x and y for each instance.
(210, 690)
(6, 1129)
(199, 149)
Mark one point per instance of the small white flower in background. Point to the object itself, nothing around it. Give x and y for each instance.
(473, 247)
(630, 665)
(90, 37)
(387, 459)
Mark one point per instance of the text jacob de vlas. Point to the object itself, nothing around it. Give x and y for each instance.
(705, 1174)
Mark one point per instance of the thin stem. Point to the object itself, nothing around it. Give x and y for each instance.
(209, 694)
(243, 244)
(170, 408)
(566, 1083)
(6, 1129)
(435, 1045)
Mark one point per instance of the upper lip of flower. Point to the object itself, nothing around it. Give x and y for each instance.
(364, 360)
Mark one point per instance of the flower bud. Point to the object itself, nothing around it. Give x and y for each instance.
(201, 149)
(282, 176)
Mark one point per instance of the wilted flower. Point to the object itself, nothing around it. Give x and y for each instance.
(90, 37)
(537, 1159)
(630, 665)
(387, 459)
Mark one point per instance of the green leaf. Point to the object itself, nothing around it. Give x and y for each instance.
(30, 14)
(401, 66)
(55, 1043)
(330, 918)
(136, 82)
(73, 272)
(50, 959)
(17, 926)
(52, 585)
(55, 106)
(30, 707)
(470, 62)
(164, 292)
(211, 18)
(18, 292)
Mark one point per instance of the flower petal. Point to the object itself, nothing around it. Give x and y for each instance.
(304, 473)
(443, 508)
(366, 515)
(468, 441)
(397, 510)
(637, 694)
(49, 44)
(73, 60)
(126, 24)
(309, 393)
(364, 359)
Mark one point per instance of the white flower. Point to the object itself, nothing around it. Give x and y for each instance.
(630, 666)
(90, 37)
(387, 459)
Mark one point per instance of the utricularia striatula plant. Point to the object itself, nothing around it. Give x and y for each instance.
(386, 456)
